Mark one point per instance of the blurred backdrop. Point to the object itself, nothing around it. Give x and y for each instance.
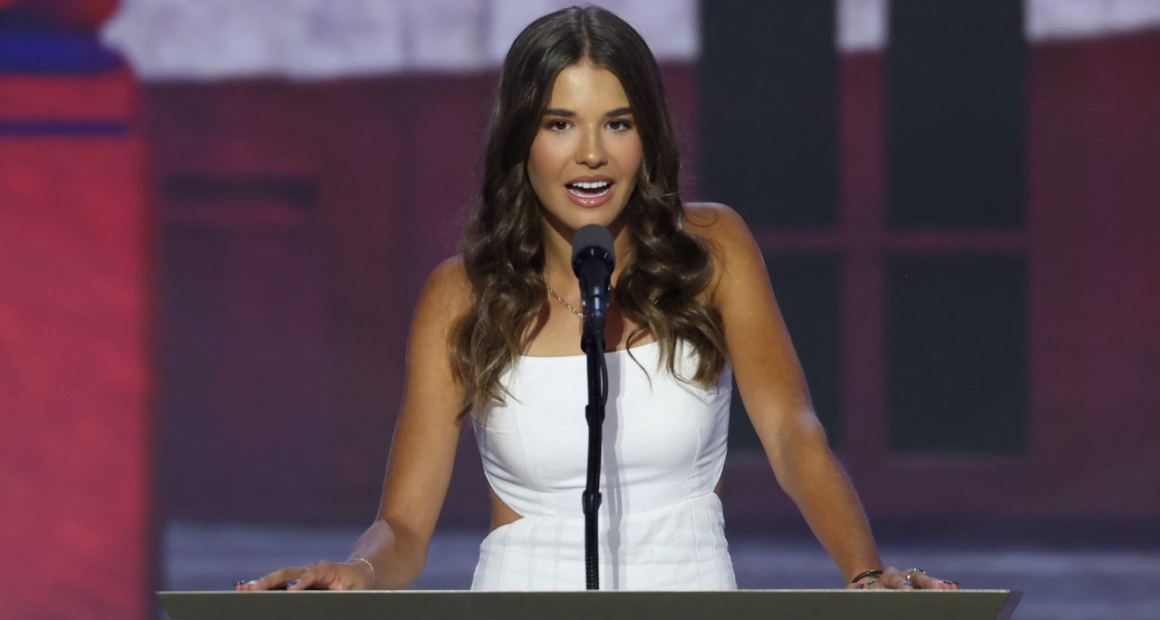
(215, 218)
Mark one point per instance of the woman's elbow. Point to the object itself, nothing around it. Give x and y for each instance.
(799, 436)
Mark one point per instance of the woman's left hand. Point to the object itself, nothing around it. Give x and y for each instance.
(894, 579)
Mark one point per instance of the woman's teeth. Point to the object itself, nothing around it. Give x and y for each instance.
(589, 189)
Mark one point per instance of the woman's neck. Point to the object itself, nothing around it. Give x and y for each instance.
(558, 253)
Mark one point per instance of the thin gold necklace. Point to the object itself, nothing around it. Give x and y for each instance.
(561, 299)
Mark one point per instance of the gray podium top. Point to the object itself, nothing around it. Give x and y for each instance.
(603, 605)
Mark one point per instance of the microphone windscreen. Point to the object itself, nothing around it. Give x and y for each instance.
(594, 235)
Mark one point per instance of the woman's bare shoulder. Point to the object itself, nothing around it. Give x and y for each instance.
(726, 233)
(714, 221)
(450, 278)
(446, 295)
(734, 251)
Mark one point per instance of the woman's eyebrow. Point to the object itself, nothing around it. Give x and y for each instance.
(570, 113)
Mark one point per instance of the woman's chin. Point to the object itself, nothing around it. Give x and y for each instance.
(568, 223)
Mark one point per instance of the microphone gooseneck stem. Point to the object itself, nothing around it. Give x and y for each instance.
(593, 344)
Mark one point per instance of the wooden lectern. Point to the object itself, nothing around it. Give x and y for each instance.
(602, 605)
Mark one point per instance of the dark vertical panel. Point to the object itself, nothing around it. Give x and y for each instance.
(956, 92)
(807, 293)
(769, 77)
(245, 365)
(957, 360)
(364, 142)
(1096, 340)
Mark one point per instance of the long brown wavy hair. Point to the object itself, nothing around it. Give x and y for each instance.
(503, 250)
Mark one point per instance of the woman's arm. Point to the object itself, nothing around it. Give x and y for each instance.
(426, 437)
(421, 460)
(774, 390)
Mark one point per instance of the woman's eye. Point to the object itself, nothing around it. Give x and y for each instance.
(558, 125)
(619, 125)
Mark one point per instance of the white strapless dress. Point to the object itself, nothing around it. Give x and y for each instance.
(661, 526)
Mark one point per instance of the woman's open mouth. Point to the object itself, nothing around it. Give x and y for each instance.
(589, 193)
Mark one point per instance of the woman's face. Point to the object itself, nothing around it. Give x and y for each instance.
(586, 154)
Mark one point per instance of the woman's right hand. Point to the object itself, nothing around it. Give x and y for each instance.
(323, 575)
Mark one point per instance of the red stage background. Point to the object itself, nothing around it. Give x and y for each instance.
(384, 169)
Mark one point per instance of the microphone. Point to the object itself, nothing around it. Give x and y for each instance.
(593, 259)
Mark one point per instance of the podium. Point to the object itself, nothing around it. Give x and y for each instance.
(601, 605)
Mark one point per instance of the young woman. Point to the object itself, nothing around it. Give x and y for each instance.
(581, 135)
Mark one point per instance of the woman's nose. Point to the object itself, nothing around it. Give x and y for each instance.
(591, 152)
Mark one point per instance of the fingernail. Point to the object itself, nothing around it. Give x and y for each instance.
(907, 583)
(291, 583)
(948, 581)
(861, 586)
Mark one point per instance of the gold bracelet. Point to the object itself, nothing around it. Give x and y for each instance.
(371, 585)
